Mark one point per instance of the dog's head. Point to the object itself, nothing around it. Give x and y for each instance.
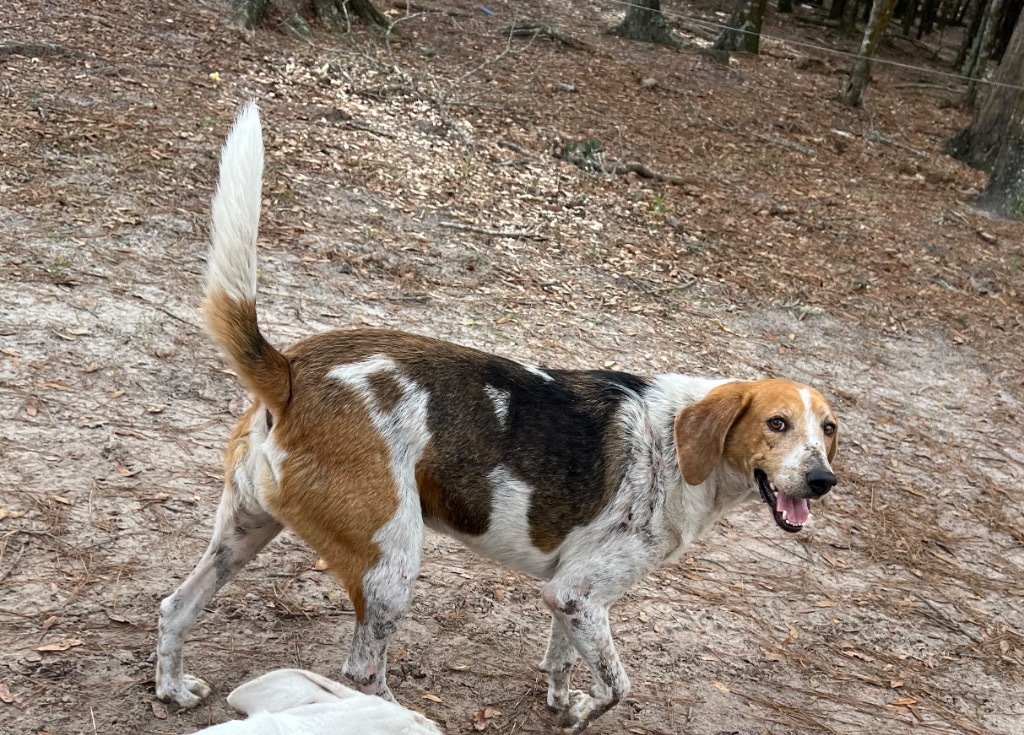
(781, 435)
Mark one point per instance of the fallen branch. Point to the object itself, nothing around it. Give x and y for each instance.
(587, 163)
(36, 48)
(514, 234)
(533, 30)
(416, 7)
(516, 148)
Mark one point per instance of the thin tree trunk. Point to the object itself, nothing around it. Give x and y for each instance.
(881, 12)
(744, 31)
(909, 13)
(978, 144)
(972, 25)
(835, 10)
(644, 22)
(848, 23)
(978, 61)
(928, 13)
(785, 6)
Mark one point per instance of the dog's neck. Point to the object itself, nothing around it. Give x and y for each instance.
(689, 511)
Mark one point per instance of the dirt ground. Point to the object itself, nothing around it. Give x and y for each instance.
(792, 237)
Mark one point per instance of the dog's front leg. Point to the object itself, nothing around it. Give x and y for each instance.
(557, 664)
(584, 620)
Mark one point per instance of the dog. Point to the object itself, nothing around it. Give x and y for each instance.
(588, 480)
(303, 703)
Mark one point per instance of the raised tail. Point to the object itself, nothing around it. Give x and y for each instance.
(230, 305)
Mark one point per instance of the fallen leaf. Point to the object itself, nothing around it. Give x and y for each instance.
(825, 603)
(125, 472)
(720, 686)
(31, 410)
(50, 622)
(321, 565)
(61, 645)
(904, 701)
(8, 513)
(115, 617)
(61, 499)
(432, 697)
(159, 711)
(5, 693)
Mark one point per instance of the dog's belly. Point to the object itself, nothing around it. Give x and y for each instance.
(507, 539)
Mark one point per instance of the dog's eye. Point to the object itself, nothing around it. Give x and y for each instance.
(777, 423)
(829, 428)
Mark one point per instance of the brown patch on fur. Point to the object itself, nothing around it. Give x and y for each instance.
(336, 488)
(261, 367)
(387, 391)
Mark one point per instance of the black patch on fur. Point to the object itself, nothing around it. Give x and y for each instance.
(270, 421)
(557, 436)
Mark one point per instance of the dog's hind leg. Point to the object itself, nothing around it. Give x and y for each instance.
(558, 662)
(239, 532)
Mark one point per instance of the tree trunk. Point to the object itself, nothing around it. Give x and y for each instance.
(929, 11)
(251, 13)
(785, 6)
(978, 144)
(835, 10)
(909, 13)
(1004, 194)
(848, 22)
(977, 62)
(881, 12)
(744, 31)
(1011, 13)
(973, 22)
(644, 22)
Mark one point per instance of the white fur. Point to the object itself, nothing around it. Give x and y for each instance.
(536, 371)
(236, 210)
(501, 400)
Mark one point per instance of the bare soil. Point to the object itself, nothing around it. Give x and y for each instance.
(795, 238)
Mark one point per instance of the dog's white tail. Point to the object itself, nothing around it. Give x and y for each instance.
(230, 306)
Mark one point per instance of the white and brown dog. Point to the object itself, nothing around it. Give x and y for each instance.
(588, 480)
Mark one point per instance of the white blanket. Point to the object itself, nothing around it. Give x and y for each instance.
(296, 702)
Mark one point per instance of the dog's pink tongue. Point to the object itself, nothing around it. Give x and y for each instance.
(796, 508)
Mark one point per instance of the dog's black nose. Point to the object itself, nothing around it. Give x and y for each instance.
(820, 481)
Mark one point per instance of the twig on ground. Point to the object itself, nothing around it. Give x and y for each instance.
(515, 234)
(875, 136)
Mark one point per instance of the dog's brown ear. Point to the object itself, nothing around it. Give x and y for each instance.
(700, 430)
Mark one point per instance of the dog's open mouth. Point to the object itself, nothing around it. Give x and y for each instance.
(790, 513)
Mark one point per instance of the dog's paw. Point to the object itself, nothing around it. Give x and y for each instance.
(560, 701)
(186, 693)
(577, 715)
